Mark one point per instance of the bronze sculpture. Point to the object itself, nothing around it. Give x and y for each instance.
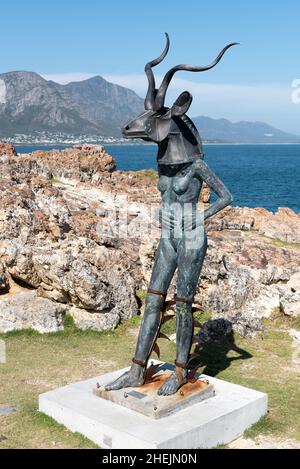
(183, 240)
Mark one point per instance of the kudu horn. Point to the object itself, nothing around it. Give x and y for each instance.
(161, 93)
(151, 93)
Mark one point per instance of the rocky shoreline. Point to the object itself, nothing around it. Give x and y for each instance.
(56, 256)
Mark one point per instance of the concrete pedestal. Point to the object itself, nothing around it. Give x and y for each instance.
(216, 420)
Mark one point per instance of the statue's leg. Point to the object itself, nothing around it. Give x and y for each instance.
(190, 261)
(163, 271)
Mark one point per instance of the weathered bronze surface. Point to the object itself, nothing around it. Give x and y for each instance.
(183, 242)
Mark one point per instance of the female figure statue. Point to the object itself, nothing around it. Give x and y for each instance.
(183, 241)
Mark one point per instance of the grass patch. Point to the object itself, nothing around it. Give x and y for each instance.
(141, 294)
(279, 320)
(38, 363)
(82, 157)
(283, 244)
(264, 426)
(203, 316)
(295, 323)
(54, 180)
(274, 241)
(43, 421)
(147, 174)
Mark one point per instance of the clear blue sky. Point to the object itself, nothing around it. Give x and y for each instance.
(69, 39)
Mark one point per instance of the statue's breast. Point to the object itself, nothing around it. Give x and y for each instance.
(178, 182)
(182, 180)
(164, 184)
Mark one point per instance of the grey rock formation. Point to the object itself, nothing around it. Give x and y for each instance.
(25, 310)
(290, 298)
(79, 274)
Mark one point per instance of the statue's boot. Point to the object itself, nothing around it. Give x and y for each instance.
(184, 335)
(147, 337)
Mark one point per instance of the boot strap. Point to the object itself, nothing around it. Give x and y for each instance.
(183, 300)
(183, 366)
(178, 299)
(139, 362)
(156, 292)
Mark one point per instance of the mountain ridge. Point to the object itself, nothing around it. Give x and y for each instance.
(31, 104)
(225, 131)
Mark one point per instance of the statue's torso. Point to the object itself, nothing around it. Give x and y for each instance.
(179, 186)
(179, 182)
(180, 190)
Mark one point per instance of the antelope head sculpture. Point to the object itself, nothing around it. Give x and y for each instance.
(177, 137)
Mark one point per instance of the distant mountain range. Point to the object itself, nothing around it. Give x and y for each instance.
(30, 104)
(222, 130)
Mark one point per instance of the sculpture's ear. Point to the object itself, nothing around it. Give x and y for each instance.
(182, 104)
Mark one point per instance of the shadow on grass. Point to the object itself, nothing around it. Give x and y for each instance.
(215, 354)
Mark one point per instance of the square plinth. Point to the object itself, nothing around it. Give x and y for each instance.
(145, 400)
(217, 420)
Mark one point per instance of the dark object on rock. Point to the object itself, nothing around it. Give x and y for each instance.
(215, 330)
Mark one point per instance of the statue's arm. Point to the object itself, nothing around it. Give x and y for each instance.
(216, 185)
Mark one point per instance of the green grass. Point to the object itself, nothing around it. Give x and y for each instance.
(295, 323)
(146, 174)
(38, 363)
(42, 421)
(82, 157)
(280, 320)
(274, 241)
(54, 180)
(282, 244)
(141, 294)
(264, 426)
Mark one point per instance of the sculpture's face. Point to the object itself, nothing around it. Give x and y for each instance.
(154, 125)
(150, 125)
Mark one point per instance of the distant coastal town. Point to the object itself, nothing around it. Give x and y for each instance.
(56, 138)
(49, 138)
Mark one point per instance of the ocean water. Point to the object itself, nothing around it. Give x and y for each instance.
(257, 175)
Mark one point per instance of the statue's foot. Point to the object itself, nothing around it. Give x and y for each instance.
(171, 386)
(132, 378)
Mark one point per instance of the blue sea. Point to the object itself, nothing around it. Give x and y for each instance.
(257, 175)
